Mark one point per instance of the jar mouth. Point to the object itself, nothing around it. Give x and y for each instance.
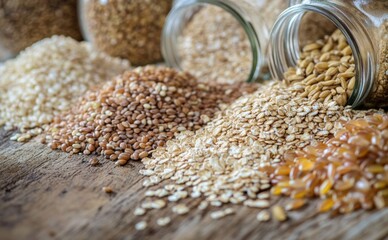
(284, 46)
(174, 26)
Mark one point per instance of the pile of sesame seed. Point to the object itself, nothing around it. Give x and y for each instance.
(45, 80)
(139, 111)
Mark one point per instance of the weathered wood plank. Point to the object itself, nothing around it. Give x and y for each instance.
(47, 194)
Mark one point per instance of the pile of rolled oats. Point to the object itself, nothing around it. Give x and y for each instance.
(226, 161)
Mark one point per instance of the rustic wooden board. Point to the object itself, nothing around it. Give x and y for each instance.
(53, 195)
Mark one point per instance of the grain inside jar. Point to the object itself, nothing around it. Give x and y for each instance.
(129, 29)
(23, 23)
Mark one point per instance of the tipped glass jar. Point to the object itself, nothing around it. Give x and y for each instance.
(129, 29)
(220, 40)
(364, 23)
(23, 23)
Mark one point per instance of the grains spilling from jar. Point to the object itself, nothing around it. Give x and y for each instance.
(227, 161)
(137, 112)
(325, 70)
(214, 47)
(23, 23)
(46, 79)
(348, 171)
(126, 29)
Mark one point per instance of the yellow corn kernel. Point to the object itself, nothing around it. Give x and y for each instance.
(325, 187)
(326, 205)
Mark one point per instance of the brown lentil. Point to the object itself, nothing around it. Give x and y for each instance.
(94, 161)
(107, 189)
(349, 171)
(129, 29)
(139, 111)
(46, 79)
(23, 23)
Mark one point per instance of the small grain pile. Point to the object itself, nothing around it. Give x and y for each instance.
(129, 29)
(325, 70)
(137, 112)
(226, 161)
(45, 80)
(23, 23)
(348, 172)
(215, 47)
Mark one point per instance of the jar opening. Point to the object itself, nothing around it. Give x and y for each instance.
(285, 45)
(224, 38)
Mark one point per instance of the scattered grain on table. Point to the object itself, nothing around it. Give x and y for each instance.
(263, 216)
(94, 161)
(46, 79)
(139, 111)
(164, 221)
(141, 225)
(107, 189)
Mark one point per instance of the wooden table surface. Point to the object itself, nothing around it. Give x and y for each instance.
(52, 195)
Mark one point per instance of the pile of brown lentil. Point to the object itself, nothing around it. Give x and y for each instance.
(23, 23)
(139, 111)
(129, 29)
(46, 79)
(325, 70)
(348, 172)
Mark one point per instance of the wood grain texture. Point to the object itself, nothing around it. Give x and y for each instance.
(52, 195)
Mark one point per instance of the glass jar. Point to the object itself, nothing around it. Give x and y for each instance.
(364, 23)
(220, 40)
(23, 23)
(129, 29)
